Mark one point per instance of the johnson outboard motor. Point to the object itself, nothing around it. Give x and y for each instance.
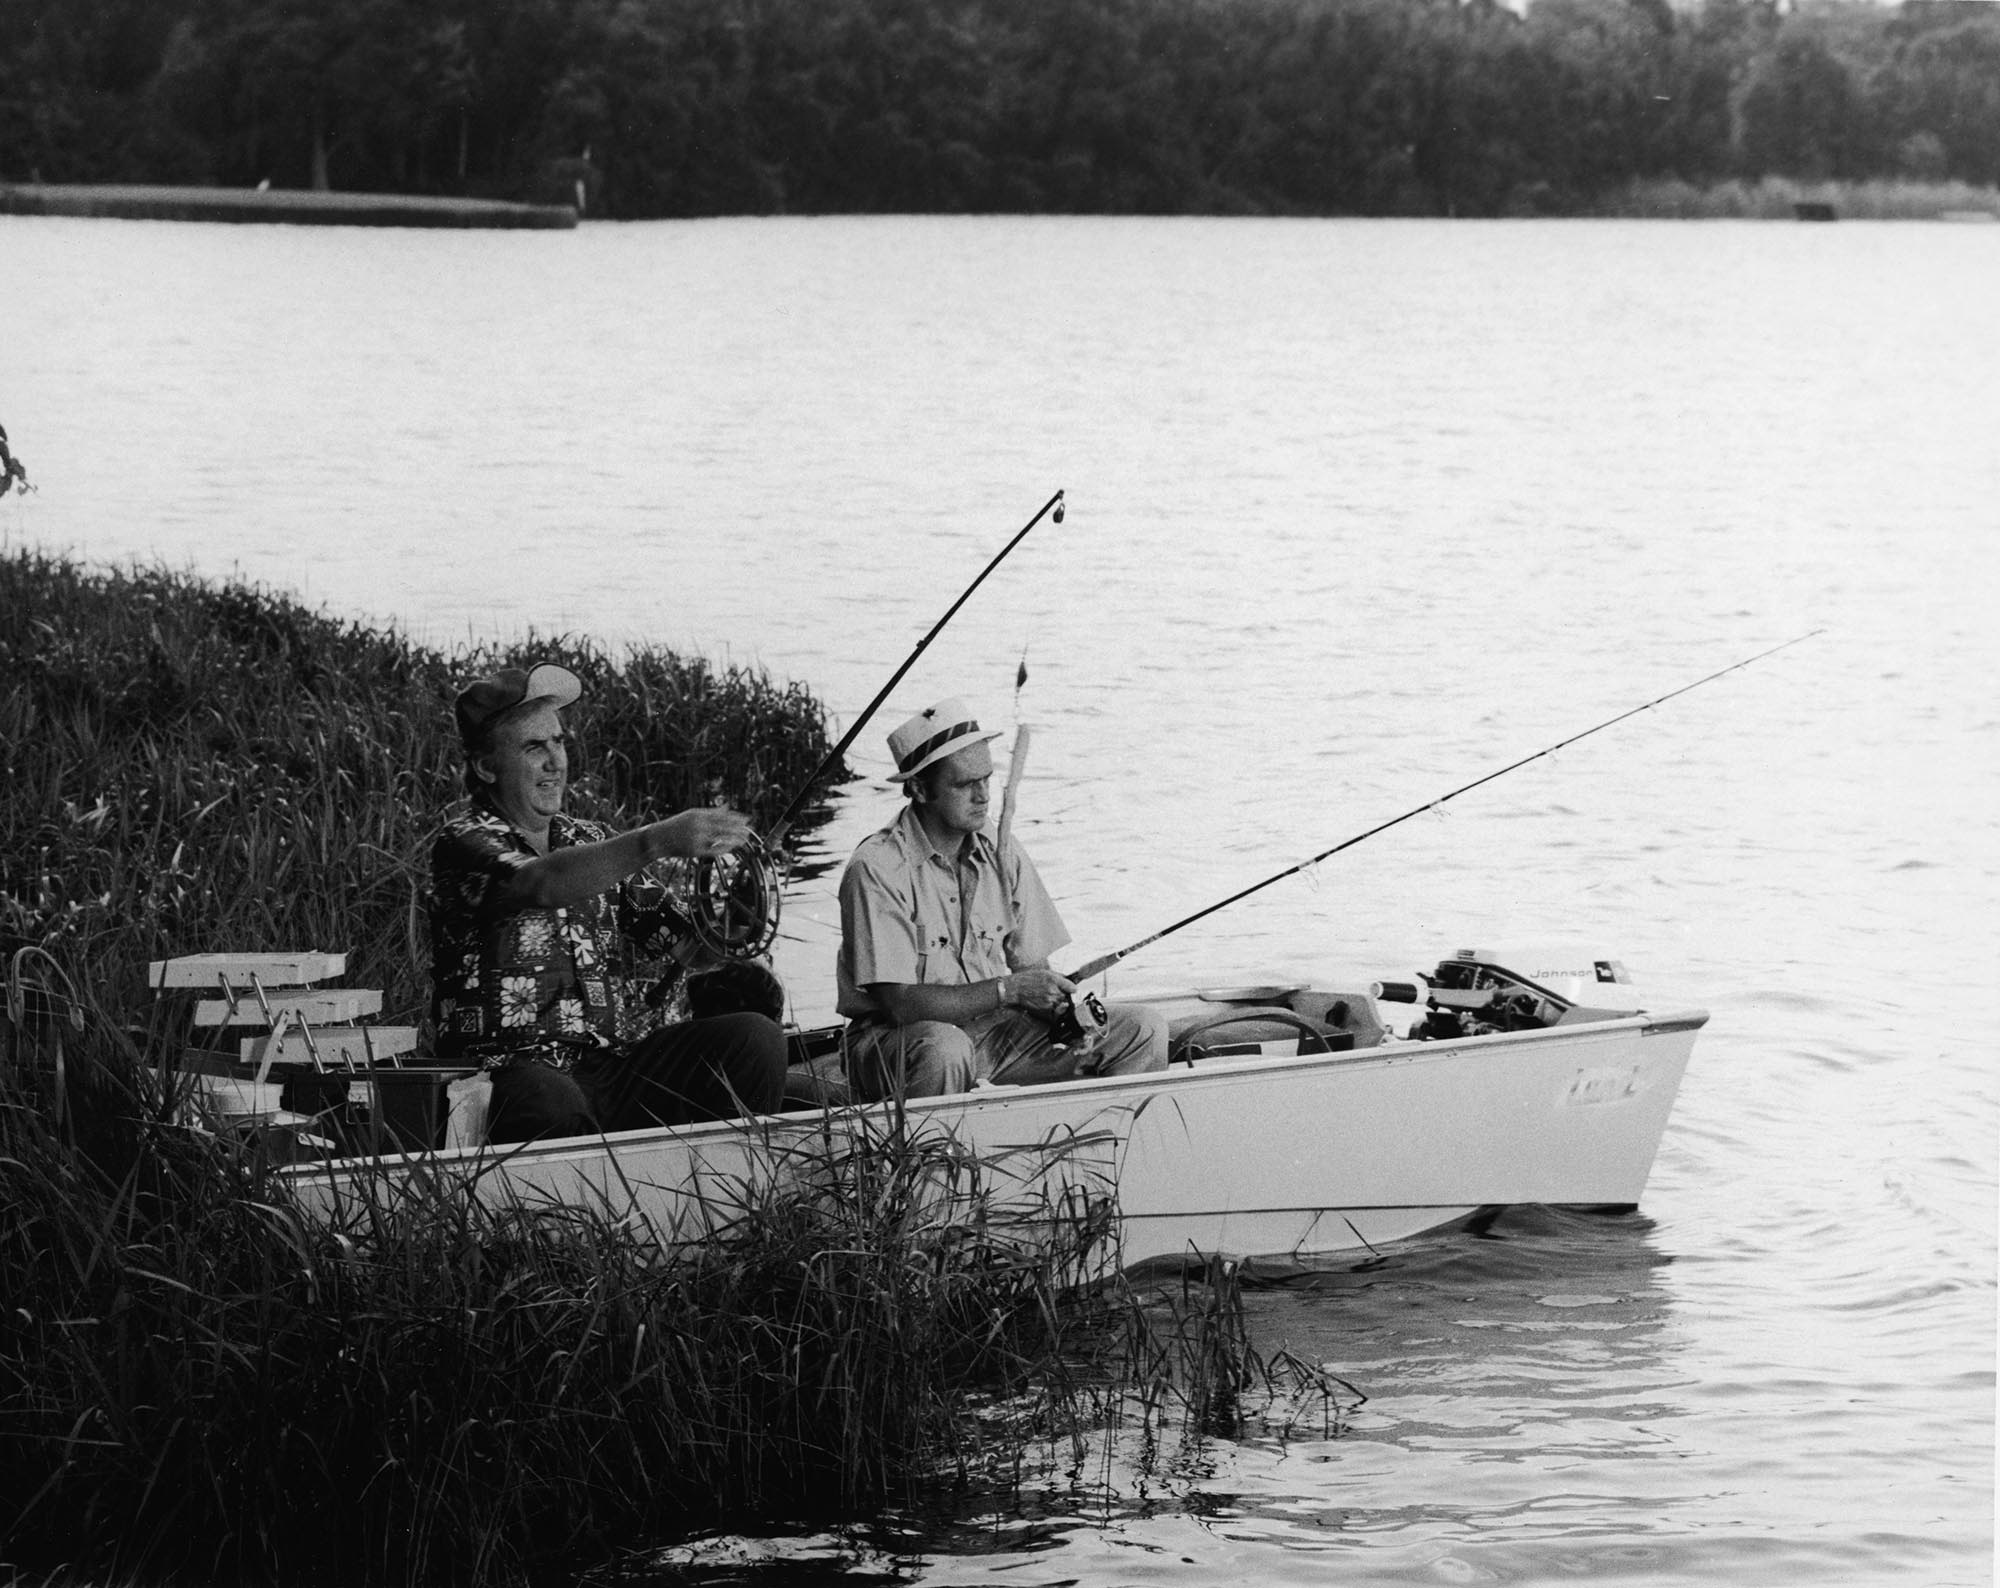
(1467, 996)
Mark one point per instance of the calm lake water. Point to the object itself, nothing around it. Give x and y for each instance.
(1357, 512)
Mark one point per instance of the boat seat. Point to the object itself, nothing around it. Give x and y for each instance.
(1246, 1030)
(281, 1050)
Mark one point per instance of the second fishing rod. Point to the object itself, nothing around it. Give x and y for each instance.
(1104, 962)
(737, 897)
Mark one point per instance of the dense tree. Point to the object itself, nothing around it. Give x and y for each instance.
(1940, 102)
(1798, 112)
(688, 107)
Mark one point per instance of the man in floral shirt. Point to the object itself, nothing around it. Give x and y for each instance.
(559, 961)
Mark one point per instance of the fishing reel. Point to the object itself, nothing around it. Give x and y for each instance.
(1080, 1016)
(734, 903)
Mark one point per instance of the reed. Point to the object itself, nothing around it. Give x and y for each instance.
(200, 1382)
(203, 767)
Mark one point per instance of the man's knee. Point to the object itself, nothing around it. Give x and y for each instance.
(534, 1101)
(1135, 1040)
(689, 1073)
(927, 1058)
(747, 1051)
(747, 985)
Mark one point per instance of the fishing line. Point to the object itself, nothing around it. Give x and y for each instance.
(832, 758)
(1106, 961)
(738, 897)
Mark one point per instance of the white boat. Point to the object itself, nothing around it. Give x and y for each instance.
(1508, 1092)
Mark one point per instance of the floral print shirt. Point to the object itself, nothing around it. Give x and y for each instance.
(513, 985)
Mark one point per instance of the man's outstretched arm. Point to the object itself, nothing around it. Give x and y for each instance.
(565, 877)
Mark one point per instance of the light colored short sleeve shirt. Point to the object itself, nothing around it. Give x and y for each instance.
(912, 914)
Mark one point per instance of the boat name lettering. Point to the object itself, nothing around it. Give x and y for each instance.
(1606, 1084)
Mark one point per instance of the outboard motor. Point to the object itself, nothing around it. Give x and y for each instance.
(1467, 996)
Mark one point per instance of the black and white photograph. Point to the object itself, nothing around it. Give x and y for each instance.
(999, 793)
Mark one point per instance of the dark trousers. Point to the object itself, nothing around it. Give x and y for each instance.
(719, 1068)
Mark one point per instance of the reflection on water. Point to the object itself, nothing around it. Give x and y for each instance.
(1535, 1409)
(1495, 1371)
(1500, 1369)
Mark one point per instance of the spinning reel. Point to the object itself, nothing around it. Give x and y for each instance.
(1080, 1016)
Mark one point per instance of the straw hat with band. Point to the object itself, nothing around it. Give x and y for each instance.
(932, 735)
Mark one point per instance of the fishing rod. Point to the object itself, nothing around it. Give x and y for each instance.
(832, 759)
(736, 897)
(1106, 961)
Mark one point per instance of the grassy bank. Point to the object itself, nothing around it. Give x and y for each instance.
(199, 1384)
(200, 766)
(281, 207)
(1779, 198)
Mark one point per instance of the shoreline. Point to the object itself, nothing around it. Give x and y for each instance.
(274, 206)
(1762, 198)
(1776, 198)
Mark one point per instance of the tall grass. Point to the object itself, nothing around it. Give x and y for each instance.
(200, 767)
(198, 1381)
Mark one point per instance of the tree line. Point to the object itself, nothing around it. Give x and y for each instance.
(705, 107)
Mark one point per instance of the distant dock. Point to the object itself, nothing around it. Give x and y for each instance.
(274, 206)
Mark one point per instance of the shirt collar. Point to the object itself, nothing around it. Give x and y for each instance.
(559, 824)
(918, 845)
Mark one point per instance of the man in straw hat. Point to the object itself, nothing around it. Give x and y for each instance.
(945, 938)
(557, 962)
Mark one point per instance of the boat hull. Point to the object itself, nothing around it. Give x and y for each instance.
(1260, 1155)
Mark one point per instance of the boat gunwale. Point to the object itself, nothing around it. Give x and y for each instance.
(1106, 1089)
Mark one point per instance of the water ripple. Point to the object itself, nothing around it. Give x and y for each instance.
(1319, 569)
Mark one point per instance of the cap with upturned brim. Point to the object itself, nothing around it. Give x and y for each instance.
(484, 699)
(931, 735)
